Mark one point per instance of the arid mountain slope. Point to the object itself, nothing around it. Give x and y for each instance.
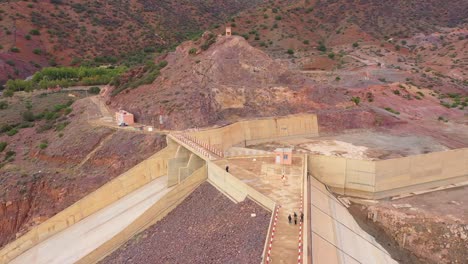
(230, 79)
(69, 32)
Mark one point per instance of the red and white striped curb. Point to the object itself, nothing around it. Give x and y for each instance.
(273, 230)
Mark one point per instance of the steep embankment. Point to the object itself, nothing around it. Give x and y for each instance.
(38, 183)
(206, 227)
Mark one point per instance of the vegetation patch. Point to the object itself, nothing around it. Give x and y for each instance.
(138, 76)
(389, 109)
(64, 77)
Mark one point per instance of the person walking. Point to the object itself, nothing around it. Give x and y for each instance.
(227, 168)
(289, 218)
(295, 218)
(302, 217)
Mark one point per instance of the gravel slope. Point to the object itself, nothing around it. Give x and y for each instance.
(206, 227)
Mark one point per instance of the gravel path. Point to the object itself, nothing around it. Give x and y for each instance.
(206, 227)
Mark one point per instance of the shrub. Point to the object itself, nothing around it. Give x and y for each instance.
(356, 100)
(355, 44)
(441, 118)
(94, 90)
(162, 64)
(193, 51)
(44, 127)
(306, 42)
(15, 49)
(12, 132)
(337, 78)
(397, 92)
(322, 47)
(9, 155)
(59, 107)
(43, 145)
(3, 105)
(28, 116)
(37, 51)
(3, 145)
(211, 40)
(331, 55)
(35, 32)
(27, 37)
(8, 93)
(26, 125)
(392, 110)
(149, 49)
(278, 17)
(290, 51)
(61, 126)
(5, 128)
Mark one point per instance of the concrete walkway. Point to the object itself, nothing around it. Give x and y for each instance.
(265, 177)
(82, 238)
(336, 236)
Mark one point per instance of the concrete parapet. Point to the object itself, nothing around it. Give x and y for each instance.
(146, 171)
(244, 132)
(384, 178)
(159, 210)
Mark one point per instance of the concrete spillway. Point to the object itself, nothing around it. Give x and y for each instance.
(80, 239)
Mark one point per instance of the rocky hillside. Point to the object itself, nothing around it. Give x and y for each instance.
(338, 21)
(48, 164)
(229, 79)
(34, 34)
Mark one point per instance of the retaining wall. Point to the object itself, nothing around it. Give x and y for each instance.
(159, 210)
(383, 178)
(146, 171)
(255, 131)
(236, 189)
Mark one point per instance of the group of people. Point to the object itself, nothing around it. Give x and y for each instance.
(295, 218)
